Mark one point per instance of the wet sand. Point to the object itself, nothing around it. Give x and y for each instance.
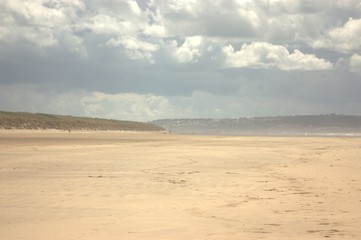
(118, 185)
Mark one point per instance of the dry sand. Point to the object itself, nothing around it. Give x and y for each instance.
(109, 185)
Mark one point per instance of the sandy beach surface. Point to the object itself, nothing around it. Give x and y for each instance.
(127, 185)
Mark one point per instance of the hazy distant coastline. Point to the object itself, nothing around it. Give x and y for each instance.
(299, 125)
(313, 125)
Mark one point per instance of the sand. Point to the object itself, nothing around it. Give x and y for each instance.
(124, 185)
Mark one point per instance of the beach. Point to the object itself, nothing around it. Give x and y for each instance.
(154, 185)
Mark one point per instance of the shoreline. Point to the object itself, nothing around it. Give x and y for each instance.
(166, 132)
(2, 130)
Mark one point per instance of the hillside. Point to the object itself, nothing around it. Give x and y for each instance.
(23, 120)
(329, 124)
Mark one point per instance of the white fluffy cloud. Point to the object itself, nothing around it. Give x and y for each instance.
(189, 51)
(355, 63)
(344, 39)
(136, 49)
(266, 55)
(40, 22)
(105, 24)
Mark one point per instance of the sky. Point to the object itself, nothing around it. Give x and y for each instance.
(153, 59)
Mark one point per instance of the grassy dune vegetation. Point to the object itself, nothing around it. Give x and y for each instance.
(24, 120)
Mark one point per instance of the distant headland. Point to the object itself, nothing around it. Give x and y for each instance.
(39, 121)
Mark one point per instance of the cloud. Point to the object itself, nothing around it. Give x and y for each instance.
(41, 23)
(155, 30)
(114, 17)
(142, 107)
(189, 51)
(105, 24)
(128, 106)
(266, 55)
(154, 59)
(222, 19)
(74, 24)
(344, 39)
(136, 49)
(297, 20)
(355, 63)
(250, 100)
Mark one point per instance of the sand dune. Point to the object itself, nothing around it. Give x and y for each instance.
(118, 185)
